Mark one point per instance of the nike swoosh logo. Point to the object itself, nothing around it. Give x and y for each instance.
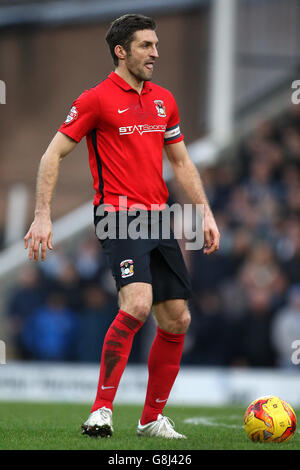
(160, 401)
(120, 111)
(105, 388)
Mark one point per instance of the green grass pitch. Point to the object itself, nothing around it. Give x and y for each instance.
(45, 426)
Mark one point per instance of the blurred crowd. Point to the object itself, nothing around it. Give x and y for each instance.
(246, 297)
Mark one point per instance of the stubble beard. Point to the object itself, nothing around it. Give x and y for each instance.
(139, 74)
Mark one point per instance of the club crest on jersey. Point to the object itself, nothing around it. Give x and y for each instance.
(73, 114)
(160, 108)
(127, 268)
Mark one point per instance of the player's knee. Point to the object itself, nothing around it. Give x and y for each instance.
(182, 322)
(139, 308)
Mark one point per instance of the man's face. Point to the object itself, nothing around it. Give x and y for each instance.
(141, 57)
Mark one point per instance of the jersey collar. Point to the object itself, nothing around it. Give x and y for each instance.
(125, 86)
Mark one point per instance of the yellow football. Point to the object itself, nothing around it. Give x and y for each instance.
(269, 419)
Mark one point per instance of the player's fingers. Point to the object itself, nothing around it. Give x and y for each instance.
(213, 243)
(43, 249)
(208, 250)
(49, 244)
(207, 238)
(36, 249)
(215, 239)
(26, 238)
(31, 246)
(211, 249)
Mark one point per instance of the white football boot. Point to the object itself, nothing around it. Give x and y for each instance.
(162, 427)
(99, 423)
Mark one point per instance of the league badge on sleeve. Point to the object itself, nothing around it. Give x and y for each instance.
(160, 108)
(126, 268)
(73, 114)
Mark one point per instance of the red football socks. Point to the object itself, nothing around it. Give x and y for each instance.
(115, 352)
(163, 367)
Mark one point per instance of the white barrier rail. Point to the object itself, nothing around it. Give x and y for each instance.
(57, 382)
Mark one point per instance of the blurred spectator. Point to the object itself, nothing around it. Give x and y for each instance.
(288, 248)
(259, 180)
(68, 282)
(54, 263)
(226, 177)
(241, 209)
(50, 332)
(211, 334)
(27, 295)
(89, 262)
(207, 271)
(253, 342)
(97, 314)
(262, 271)
(285, 328)
(291, 142)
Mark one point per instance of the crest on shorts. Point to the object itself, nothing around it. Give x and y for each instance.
(73, 114)
(160, 108)
(127, 268)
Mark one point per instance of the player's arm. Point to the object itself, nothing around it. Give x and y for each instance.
(40, 231)
(189, 179)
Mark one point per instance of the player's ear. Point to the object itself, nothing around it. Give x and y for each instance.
(120, 52)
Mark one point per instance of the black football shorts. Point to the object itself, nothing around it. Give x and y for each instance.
(154, 260)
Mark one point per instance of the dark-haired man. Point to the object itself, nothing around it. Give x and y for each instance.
(127, 121)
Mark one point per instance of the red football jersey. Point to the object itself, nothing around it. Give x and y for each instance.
(125, 134)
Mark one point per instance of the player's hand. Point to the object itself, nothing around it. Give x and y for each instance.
(40, 233)
(211, 234)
